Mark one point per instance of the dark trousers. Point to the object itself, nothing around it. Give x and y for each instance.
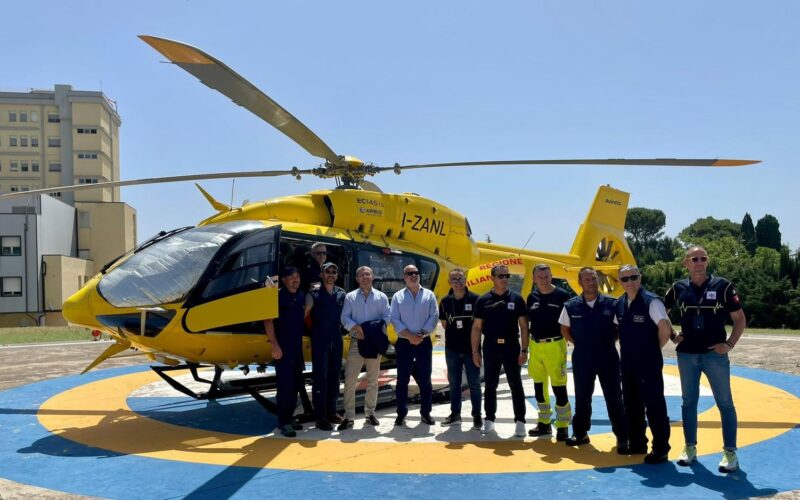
(458, 362)
(584, 371)
(326, 357)
(289, 375)
(502, 357)
(416, 360)
(643, 394)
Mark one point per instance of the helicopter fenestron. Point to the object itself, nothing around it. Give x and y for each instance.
(197, 296)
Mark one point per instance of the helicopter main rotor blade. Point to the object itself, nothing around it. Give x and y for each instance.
(660, 162)
(223, 79)
(156, 180)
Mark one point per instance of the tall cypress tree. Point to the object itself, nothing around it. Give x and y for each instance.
(768, 232)
(749, 234)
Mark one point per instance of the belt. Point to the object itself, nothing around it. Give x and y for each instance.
(550, 339)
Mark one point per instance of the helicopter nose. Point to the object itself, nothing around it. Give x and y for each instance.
(76, 309)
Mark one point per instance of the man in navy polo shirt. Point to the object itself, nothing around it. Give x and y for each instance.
(588, 322)
(704, 302)
(456, 311)
(644, 328)
(324, 305)
(500, 315)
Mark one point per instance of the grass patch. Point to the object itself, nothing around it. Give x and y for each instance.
(43, 334)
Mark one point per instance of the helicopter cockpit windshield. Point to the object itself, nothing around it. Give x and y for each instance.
(166, 271)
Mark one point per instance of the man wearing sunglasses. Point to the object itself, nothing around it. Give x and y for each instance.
(311, 275)
(500, 315)
(704, 302)
(644, 328)
(324, 305)
(588, 322)
(548, 363)
(414, 316)
(456, 311)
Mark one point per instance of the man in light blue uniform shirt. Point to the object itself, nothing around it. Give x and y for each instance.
(415, 313)
(362, 305)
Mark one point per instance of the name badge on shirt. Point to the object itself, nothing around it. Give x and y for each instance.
(459, 324)
(467, 307)
(510, 306)
(711, 295)
(638, 318)
(501, 341)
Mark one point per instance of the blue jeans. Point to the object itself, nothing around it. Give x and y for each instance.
(457, 362)
(717, 369)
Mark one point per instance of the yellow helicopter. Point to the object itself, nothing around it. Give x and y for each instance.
(198, 295)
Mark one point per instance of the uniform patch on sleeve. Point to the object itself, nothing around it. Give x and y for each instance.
(467, 307)
(711, 295)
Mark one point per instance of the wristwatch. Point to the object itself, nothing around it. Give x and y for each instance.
(524, 351)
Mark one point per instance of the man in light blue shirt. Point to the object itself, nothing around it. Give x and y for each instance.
(360, 306)
(415, 313)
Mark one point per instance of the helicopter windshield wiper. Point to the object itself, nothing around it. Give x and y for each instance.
(160, 236)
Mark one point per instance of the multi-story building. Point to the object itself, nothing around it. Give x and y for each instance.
(51, 245)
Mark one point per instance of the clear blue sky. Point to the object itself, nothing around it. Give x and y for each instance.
(422, 81)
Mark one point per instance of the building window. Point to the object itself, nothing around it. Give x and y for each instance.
(56, 194)
(87, 130)
(11, 246)
(87, 156)
(54, 142)
(84, 220)
(35, 166)
(12, 116)
(23, 166)
(87, 180)
(34, 141)
(23, 141)
(24, 188)
(34, 116)
(12, 141)
(54, 167)
(11, 287)
(14, 166)
(53, 118)
(23, 116)
(14, 188)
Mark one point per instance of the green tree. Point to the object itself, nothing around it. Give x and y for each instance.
(768, 232)
(749, 234)
(710, 228)
(645, 224)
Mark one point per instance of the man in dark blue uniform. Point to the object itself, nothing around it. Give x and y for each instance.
(704, 302)
(588, 322)
(324, 305)
(501, 315)
(456, 311)
(286, 336)
(644, 328)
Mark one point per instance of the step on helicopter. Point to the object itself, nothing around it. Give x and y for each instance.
(197, 296)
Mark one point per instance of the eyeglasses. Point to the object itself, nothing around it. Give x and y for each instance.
(458, 280)
(412, 273)
(320, 253)
(332, 272)
(633, 277)
(502, 276)
(702, 258)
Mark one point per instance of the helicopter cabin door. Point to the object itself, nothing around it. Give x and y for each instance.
(239, 287)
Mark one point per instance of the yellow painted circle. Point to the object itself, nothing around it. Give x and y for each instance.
(97, 415)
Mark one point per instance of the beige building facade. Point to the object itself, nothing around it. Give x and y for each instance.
(49, 139)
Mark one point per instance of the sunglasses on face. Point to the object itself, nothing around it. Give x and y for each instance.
(412, 273)
(633, 277)
(702, 258)
(331, 272)
(458, 280)
(502, 276)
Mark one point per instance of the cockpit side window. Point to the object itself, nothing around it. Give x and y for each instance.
(245, 266)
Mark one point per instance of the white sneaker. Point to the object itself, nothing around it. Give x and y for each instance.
(520, 430)
(488, 427)
(688, 456)
(729, 462)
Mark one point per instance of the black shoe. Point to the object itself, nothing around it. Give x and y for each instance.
(540, 430)
(477, 423)
(453, 418)
(346, 424)
(578, 440)
(372, 420)
(288, 431)
(623, 448)
(426, 419)
(335, 419)
(562, 434)
(324, 425)
(400, 421)
(655, 457)
(296, 425)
